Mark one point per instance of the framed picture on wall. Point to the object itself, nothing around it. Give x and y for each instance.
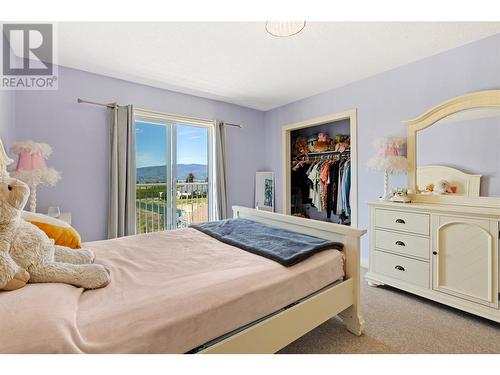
(264, 191)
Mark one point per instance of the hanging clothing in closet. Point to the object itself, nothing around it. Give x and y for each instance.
(320, 174)
(328, 182)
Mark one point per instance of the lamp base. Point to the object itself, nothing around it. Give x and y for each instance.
(386, 196)
(32, 198)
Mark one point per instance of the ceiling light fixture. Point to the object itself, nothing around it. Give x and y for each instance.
(287, 28)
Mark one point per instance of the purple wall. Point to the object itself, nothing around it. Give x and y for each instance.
(7, 128)
(80, 138)
(384, 101)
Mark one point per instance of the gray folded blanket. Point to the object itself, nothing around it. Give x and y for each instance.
(281, 245)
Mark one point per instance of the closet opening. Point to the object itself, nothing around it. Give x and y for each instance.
(320, 169)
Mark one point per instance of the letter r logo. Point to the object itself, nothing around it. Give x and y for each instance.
(27, 49)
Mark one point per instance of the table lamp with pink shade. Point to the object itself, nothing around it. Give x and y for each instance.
(390, 159)
(32, 167)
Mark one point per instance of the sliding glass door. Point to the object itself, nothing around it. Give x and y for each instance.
(192, 174)
(154, 176)
(174, 164)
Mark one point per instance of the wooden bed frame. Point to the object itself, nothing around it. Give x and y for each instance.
(275, 332)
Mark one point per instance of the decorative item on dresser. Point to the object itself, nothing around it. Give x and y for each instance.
(389, 159)
(445, 245)
(32, 167)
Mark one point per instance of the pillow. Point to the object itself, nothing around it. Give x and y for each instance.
(61, 232)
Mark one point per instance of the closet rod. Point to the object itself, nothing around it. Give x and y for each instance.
(320, 156)
(329, 153)
(113, 105)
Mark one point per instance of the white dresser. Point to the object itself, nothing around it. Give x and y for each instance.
(444, 245)
(447, 253)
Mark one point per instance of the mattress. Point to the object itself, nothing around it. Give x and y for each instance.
(170, 292)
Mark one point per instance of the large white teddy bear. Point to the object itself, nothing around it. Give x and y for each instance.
(27, 254)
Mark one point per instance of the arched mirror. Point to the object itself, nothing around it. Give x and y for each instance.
(454, 151)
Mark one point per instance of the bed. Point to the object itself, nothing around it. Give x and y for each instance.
(186, 292)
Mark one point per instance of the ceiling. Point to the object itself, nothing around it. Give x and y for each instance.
(238, 62)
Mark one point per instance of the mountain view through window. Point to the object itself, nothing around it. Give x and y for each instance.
(172, 175)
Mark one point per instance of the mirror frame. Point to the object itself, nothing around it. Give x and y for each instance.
(479, 99)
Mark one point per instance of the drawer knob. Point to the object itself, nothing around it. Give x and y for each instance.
(400, 221)
(435, 252)
(400, 268)
(400, 243)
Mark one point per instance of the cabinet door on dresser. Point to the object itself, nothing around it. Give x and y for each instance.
(465, 258)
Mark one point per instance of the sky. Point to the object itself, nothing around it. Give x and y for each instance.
(151, 144)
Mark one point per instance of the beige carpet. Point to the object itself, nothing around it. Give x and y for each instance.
(399, 322)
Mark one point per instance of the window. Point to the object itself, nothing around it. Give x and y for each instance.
(174, 172)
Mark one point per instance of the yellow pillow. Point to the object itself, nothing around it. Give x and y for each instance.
(61, 232)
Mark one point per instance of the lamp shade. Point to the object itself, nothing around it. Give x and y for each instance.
(28, 161)
(390, 155)
(32, 164)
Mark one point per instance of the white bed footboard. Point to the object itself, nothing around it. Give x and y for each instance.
(342, 299)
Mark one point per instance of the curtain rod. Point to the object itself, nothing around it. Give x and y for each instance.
(113, 105)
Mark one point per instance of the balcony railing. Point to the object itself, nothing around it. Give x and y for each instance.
(191, 206)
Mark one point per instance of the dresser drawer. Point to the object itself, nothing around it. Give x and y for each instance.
(411, 271)
(402, 243)
(404, 221)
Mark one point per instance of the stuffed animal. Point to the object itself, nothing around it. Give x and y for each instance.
(342, 138)
(341, 143)
(301, 148)
(27, 254)
(323, 143)
(443, 187)
(323, 137)
(311, 141)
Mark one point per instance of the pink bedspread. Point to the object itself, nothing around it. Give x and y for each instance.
(170, 292)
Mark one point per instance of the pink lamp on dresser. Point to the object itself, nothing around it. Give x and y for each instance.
(390, 159)
(32, 167)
